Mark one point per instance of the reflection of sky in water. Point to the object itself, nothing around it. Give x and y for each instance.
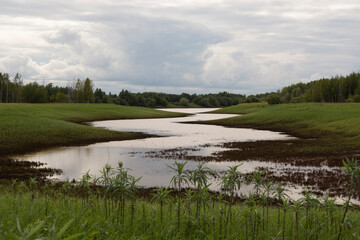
(74, 161)
(184, 135)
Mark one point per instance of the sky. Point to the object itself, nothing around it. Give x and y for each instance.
(174, 46)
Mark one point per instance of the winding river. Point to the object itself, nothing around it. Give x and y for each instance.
(144, 157)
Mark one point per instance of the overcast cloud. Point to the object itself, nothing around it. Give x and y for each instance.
(180, 46)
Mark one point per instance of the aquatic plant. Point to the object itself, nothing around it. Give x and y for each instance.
(161, 194)
(279, 196)
(352, 169)
(53, 217)
(297, 208)
(199, 179)
(257, 179)
(177, 180)
(230, 183)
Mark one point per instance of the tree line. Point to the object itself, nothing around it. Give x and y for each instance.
(153, 99)
(333, 90)
(15, 91)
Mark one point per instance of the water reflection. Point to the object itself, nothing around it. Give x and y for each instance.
(74, 161)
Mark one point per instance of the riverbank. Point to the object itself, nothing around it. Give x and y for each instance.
(325, 135)
(27, 128)
(33, 127)
(328, 131)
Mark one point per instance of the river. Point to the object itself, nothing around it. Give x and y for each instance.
(145, 157)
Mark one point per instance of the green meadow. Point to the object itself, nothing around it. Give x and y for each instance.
(30, 127)
(331, 127)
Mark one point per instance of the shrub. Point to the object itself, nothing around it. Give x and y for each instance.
(356, 98)
(184, 102)
(274, 99)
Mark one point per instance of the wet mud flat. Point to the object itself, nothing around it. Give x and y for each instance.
(24, 170)
(294, 163)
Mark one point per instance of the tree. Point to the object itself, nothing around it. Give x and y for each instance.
(213, 101)
(184, 102)
(34, 93)
(356, 98)
(150, 102)
(287, 98)
(296, 92)
(1, 87)
(274, 99)
(204, 102)
(41, 95)
(100, 96)
(79, 91)
(88, 91)
(60, 97)
(18, 83)
(6, 83)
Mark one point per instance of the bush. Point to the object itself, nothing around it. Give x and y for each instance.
(184, 102)
(274, 99)
(295, 100)
(356, 98)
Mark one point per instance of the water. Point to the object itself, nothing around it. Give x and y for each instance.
(144, 156)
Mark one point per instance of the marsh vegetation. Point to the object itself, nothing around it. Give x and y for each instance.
(113, 207)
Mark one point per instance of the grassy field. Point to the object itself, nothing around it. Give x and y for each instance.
(325, 128)
(72, 217)
(303, 120)
(117, 210)
(30, 210)
(30, 127)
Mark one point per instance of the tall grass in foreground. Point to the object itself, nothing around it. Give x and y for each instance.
(86, 211)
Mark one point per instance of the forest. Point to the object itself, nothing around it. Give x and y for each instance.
(82, 91)
(334, 89)
(14, 91)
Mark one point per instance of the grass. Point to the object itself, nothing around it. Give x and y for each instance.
(31, 127)
(334, 126)
(29, 210)
(303, 120)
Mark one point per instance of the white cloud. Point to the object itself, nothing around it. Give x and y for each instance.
(19, 64)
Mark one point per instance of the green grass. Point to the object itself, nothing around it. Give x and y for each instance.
(300, 119)
(48, 209)
(335, 126)
(30, 127)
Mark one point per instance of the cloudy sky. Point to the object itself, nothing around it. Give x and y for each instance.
(201, 46)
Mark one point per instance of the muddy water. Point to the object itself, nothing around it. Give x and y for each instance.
(145, 157)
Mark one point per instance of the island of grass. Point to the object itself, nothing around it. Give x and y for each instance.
(324, 131)
(32, 127)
